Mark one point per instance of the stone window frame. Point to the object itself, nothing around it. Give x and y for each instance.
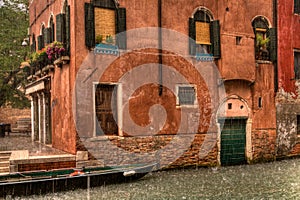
(261, 26)
(296, 66)
(177, 90)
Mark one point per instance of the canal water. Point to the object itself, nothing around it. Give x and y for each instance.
(276, 180)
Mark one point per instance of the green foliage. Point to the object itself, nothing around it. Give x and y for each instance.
(260, 41)
(109, 39)
(99, 39)
(13, 29)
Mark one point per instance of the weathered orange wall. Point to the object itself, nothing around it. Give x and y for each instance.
(288, 40)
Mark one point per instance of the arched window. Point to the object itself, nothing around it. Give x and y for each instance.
(261, 30)
(204, 33)
(41, 43)
(52, 31)
(63, 26)
(33, 43)
(105, 22)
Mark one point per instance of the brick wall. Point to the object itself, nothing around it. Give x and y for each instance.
(46, 166)
(11, 115)
(170, 151)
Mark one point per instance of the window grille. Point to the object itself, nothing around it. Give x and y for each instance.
(186, 95)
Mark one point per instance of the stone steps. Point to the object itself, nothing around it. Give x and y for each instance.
(4, 162)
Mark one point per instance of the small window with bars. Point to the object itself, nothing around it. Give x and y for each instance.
(186, 95)
(297, 6)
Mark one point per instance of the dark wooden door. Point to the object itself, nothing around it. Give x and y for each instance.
(106, 108)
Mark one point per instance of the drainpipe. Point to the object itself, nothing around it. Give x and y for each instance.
(275, 11)
(160, 77)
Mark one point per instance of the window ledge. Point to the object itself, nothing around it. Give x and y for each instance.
(108, 49)
(263, 62)
(205, 57)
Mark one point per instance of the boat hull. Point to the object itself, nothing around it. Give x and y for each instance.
(65, 183)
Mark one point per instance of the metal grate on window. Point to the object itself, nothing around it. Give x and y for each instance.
(186, 95)
(297, 6)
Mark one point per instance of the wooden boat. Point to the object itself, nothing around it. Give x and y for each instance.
(41, 182)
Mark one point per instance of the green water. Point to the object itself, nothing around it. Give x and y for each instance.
(278, 180)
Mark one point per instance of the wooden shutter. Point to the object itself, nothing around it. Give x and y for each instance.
(272, 46)
(68, 38)
(215, 38)
(40, 42)
(33, 45)
(297, 6)
(89, 25)
(121, 28)
(192, 36)
(47, 35)
(60, 28)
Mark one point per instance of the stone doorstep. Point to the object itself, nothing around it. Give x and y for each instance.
(4, 169)
(5, 153)
(43, 159)
(4, 163)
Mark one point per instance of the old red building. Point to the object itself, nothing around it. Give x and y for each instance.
(288, 107)
(182, 83)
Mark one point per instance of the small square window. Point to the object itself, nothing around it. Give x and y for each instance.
(229, 106)
(186, 95)
(259, 102)
(238, 40)
(297, 64)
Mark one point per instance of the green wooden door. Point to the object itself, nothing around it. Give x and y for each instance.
(233, 141)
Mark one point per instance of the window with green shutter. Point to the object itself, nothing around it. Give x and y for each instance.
(204, 33)
(297, 6)
(105, 23)
(52, 35)
(60, 28)
(262, 40)
(40, 42)
(33, 43)
(297, 64)
(47, 35)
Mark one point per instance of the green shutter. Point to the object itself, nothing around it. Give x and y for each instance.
(33, 45)
(60, 28)
(192, 36)
(272, 46)
(121, 28)
(47, 35)
(68, 38)
(215, 38)
(297, 6)
(89, 25)
(40, 42)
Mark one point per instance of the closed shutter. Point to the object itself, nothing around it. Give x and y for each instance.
(60, 28)
(215, 38)
(33, 45)
(40, 42)
(192, 37)
(121, 28)
(89, 25)
(68, 38)
(47, 35)
(272, 46)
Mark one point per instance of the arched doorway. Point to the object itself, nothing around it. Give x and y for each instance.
(234, 141)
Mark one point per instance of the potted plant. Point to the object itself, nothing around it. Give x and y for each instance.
(261, 47)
